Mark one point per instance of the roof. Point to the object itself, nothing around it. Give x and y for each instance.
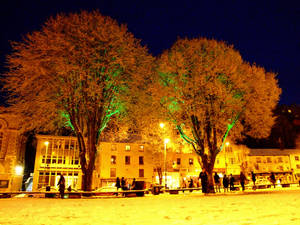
(273, 152)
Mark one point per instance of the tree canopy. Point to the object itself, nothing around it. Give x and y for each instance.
(206, 90)
(79, 70)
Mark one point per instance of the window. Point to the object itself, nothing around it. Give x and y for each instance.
(127, 160)
(280, 159)
(269, 160)
(298, 166)
(113, 172)
(127, 147)
(297, 158)
(191, 161)
(141, 160)
(113, 147)
(178, 161)
(258, 160)
(141, 148)
(113, 159)
(141, 172)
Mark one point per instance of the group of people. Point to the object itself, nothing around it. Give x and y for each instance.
(228, 182)
(123, 184)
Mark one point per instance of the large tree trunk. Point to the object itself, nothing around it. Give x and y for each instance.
(87, 180)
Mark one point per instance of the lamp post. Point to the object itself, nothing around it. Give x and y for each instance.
(165, 160)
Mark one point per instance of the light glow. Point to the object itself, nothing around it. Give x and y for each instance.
(19, 170)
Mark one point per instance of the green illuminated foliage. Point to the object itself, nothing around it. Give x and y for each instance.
(81, 71)
(209, 93)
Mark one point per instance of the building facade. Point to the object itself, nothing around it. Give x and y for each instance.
(12, 151)
(60, 155)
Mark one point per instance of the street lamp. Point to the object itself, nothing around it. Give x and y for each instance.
(166, 141)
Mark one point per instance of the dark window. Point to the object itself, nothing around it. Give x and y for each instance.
(127, 160)
(113, 172)
(178, 161)
(141, 172)
(297, 158)
(141, 160)
(298, 166)
(258, 159)
(269, 160)
(280, 160)
(191, 161)
(113, 159)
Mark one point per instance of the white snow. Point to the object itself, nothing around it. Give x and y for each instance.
(260, 207)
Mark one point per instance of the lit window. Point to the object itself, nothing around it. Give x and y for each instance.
(141, 148)
(127, 147)
(113, 172)
(113, 159)
(178, 161)
(113, 147)
(297, 158)
(141, 160)
(127, 160)
(141, 172)
(191, 161)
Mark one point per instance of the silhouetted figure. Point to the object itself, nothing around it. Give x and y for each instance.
(118, 183)
(225, 183)
(133, 184)
(191, 183)
(231, 183)
(253, 177)
(217, 182)
(242, 180)
(123, 184)
(62, 184)
(69, 188)
(204, 180)
(272, 179)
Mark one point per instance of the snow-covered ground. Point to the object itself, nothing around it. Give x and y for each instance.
(259, 207)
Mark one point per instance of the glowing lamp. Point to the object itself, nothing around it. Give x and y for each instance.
(19, 170)
(166, 141)
(162, 125)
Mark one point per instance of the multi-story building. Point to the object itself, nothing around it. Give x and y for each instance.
(285, 164)
(11, 154)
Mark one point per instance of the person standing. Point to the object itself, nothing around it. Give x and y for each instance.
(242, 180)
(133, 184)
(225, 183)
(204, 178)
(253, 177)
(191, 183)
(231, 183)
(62, 184)
(272, 179)
(217, 182)
(123, 184)
(118, 183)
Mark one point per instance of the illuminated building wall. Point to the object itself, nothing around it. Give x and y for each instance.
(11, 154)
(56, 155)
(284, 163)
